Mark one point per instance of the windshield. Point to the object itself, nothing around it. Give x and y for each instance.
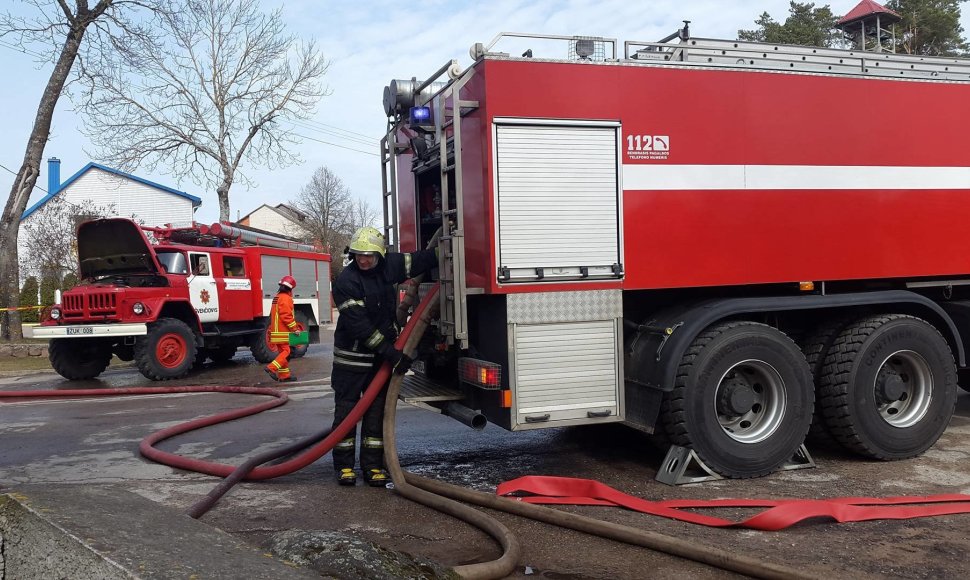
(173, 262)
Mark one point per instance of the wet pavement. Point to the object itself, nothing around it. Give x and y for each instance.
(93, 444)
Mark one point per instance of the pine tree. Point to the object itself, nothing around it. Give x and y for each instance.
(28, 297)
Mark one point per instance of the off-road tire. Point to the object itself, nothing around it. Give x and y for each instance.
(860, 414)
(760, 362)
(816, 345)
(168, 351)
(260, 347)
(77, 359)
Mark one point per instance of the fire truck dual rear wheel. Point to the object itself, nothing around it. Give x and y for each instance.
(742, 400)
(260, 346)
(816, 345)
(888, 388)
(77, 359)
(167, 351)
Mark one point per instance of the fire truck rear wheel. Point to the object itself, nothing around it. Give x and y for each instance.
(889, 387)
(742, 399)
(167, 351)
(77, 359)
(260, 347)
(816, 345)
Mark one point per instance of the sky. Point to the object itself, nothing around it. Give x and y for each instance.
(368, 43)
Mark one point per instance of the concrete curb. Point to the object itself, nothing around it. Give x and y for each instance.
(110, 533)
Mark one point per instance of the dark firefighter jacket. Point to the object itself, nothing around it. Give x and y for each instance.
(366, 301)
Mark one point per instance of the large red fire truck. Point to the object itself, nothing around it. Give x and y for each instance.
(170, 298)
(713, 241)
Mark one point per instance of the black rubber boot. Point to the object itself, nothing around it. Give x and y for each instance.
(377, 477)
(347, 477)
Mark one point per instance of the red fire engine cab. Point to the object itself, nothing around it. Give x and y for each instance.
(169, 298)
(728, 244)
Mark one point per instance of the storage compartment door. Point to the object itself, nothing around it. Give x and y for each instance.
(566, 373)
(558, 201)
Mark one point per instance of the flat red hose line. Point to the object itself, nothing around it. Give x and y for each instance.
(780, 515)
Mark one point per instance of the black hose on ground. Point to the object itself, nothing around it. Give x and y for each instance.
(205, 504)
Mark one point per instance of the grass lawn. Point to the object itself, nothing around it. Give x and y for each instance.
(27, 363)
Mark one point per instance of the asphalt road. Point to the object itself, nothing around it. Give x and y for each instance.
(93, 442)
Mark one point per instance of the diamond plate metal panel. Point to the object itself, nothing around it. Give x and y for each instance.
(576, 306)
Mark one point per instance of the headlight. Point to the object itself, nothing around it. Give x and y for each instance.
(138, 308)
(55, 313)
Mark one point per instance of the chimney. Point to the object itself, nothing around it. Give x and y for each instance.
(53, 174)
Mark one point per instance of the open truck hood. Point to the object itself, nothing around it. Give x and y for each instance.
(114, 246)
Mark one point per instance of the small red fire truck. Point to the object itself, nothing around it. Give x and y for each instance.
(169, 298)
(723, 243)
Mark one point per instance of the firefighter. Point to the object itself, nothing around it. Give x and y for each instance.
(363, 340)
(281, 324)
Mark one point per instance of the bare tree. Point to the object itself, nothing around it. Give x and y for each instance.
(49, 237)
(333, 213)
(66, 36)
(207, 99)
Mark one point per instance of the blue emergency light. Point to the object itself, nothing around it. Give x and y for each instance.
(420, 115)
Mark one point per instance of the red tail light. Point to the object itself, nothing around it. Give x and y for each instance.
(485, 374)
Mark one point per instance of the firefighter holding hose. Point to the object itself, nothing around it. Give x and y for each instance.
(363, 340)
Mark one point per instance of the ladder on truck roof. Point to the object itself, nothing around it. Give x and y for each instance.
(786, 57)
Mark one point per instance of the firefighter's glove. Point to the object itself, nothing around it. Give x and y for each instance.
(400, 362)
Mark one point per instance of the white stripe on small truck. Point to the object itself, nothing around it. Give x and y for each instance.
(85, 330)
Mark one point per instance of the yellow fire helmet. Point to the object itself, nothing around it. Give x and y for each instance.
(367, 240)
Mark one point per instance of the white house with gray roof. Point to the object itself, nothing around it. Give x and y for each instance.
(120, 193)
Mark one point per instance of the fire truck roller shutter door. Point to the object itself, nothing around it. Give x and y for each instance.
(558, 202)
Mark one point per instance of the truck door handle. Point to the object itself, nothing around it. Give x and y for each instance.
(605, 413)
(537, 419)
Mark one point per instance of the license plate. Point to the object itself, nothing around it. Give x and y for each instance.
(73, 331)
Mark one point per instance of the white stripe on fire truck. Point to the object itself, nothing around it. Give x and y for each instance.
(694, 177)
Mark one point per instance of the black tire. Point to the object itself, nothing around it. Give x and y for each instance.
(168, 350)
(816, 345)
(742, 400)
(77, 359)
(260, 347)
(299, 350)
(222, 354)
(888, 387)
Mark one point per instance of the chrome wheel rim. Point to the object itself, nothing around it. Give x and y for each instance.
(750, 401)
(903, 388)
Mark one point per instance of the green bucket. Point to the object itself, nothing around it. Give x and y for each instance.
(298, 338)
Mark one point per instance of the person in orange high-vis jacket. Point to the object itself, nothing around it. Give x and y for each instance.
(281, 324)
